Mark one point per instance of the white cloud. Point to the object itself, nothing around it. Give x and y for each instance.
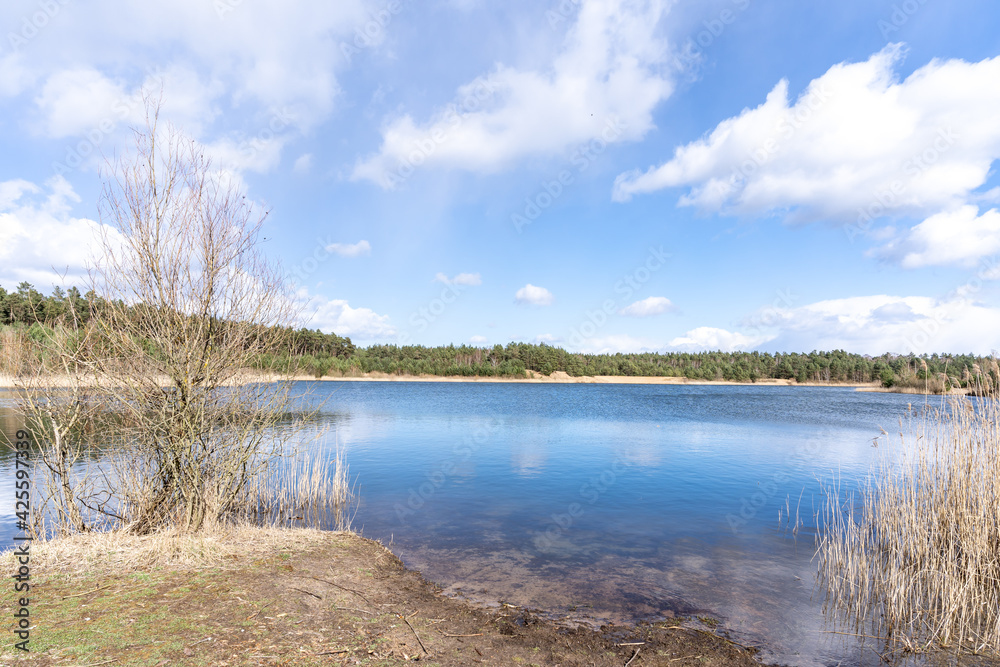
(471, 279)
(73, 101)
(547, 338)
(479, 340)
(14, 77)
(337, 316)
(882, 323)
(615, 343)
(358, 249)
(710, 338)
(303, 164)
(538, 296)
(39, 240)
(246, 63)
(654, 305)
(603, 84)
(954, 237)
(856, 145)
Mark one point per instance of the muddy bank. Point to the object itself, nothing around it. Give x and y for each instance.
(308, 599)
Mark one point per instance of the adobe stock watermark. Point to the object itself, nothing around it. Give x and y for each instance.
(901, 14)
(589, 493)
(309, 264)
(427, 314)
(551, 190)
(372, 31)
(751, 504)
(626, 287)
(454, 115)
(250, 147)
(33, 24)
(121, 110)
(805, 107)
(770, 315)
(886, 198)
(418, 496)
(712, 29)
(928, 327)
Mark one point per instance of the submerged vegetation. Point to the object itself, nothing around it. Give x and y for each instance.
(914, 557)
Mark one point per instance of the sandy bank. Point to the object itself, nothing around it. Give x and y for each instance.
(558, 377)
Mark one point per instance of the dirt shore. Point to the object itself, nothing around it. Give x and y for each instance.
(558, 377)
(300, 597)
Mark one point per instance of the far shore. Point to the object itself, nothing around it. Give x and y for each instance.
(557, 377)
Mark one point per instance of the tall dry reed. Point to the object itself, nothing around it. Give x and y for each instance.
(914, 557)
(305, 490)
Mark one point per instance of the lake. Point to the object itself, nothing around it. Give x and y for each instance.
(610, 502)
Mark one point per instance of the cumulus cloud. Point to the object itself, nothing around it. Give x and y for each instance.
(884, 323)
(961, 237)
(303, 164)
(654, 305)
(614, 344)
(40, 241)
(710, 338)
(359, 249)
(538, 296)
(470, 279)
(857, 145)
(249, 63)
(337, 316)
(603, 84)
(478, 340)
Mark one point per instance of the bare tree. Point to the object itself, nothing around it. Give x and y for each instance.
(159, 374)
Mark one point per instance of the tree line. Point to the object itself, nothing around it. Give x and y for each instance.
(322, 354)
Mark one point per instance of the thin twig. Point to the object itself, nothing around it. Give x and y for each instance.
(302, 590)
(76, 595)
(632, 658)
(478, 634)
(343, 588)
(363, 611)
(414, 633)
(251, 616)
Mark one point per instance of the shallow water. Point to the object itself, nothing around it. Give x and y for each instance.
(616, 502)
(608, 502)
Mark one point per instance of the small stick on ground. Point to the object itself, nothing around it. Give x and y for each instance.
(343, 588)
(363, 611)
(414, 633)
(302, 590)
(478, 634)
(253, 615)
(77, 595)
(632, 658)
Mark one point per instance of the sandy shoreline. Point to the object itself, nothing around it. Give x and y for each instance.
(558, 377)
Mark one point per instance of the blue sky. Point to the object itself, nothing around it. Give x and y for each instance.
(603, 175)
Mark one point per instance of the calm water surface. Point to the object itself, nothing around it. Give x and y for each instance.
(609, 502)
(618, 502)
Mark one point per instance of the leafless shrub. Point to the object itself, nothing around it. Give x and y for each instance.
(156, 388)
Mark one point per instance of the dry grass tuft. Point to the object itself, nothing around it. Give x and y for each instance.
(222, 547)
(915, 558)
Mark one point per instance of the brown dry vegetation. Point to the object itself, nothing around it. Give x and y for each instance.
(914, 558)
(300, 597)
